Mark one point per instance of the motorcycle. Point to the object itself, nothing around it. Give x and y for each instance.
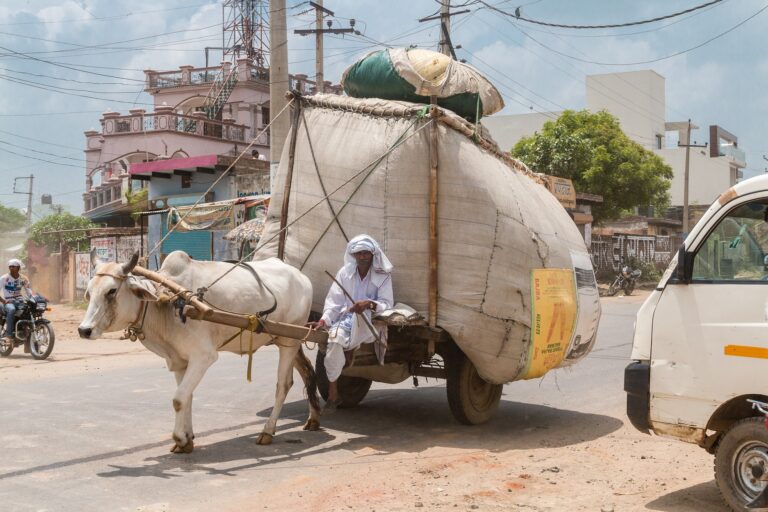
(625, 280)
(31, 329)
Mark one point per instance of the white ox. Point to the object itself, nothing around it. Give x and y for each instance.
(117, 300)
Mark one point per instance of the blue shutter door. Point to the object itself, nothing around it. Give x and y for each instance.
(195, 243)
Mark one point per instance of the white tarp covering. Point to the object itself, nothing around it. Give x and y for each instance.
(496, 224)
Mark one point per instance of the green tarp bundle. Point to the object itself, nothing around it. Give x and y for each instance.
(415, 74)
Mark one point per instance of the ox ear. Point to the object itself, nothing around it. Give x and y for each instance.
(128, 267)
(143, 289)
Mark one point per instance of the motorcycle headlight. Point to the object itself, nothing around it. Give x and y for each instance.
(40, 306)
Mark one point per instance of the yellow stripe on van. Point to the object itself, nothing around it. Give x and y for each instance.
(746, 351)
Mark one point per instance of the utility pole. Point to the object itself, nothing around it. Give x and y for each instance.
(445, 28)
(687, 147)
(31, 179)
(319, 31)
(278, 84)
(446, 46)
(319, 46)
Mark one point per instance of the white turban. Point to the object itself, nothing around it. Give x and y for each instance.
(365, 243)
(14, 263)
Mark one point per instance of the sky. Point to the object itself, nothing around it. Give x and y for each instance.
(64, 62)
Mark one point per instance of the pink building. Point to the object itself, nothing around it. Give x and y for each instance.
(197, 111)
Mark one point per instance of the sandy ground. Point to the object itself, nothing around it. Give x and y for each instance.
(549, 460)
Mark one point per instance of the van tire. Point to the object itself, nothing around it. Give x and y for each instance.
(741, 449)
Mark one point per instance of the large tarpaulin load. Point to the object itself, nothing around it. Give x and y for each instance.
(516, 288)
(415, 74)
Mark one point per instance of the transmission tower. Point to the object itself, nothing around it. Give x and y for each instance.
(246, 30)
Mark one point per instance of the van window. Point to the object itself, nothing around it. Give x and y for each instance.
(737, 249)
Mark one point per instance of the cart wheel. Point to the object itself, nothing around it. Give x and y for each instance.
(352, 390)
(472, 399)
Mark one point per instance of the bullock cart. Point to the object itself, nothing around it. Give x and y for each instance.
(412, 348)
(493, 264)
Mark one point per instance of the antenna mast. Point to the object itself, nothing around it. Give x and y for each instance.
(246, 30)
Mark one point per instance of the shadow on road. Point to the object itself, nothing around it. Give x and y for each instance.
(697, 498)
(387, 422)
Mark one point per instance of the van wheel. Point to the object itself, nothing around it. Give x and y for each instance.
(472, 399)
(352, 390)
(741, 461)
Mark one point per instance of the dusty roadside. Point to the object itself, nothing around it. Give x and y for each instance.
(545, 458)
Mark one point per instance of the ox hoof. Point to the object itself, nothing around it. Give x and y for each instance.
(187, 448)
(312, 425)
(264, 438)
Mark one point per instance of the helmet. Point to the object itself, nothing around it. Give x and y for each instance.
(14, 263)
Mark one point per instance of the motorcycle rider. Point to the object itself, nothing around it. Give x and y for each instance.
(11, 286)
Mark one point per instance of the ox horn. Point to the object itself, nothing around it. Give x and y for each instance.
(128, 267)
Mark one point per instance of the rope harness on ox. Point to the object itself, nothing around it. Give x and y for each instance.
(134, 331)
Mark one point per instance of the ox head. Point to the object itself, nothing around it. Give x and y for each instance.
(114, 299)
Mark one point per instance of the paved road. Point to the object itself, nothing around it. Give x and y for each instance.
(96, 437)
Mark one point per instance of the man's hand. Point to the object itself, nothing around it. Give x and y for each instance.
(362, 305)
(320, 324)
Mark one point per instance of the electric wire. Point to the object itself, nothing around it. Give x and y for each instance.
(518, 16)
(649, 61)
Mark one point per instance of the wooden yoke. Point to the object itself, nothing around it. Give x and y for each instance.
(204, 309)
(198, 310)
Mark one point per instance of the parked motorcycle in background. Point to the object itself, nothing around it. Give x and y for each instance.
(625, 280)
(31, 328)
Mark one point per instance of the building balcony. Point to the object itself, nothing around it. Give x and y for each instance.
(165, 120)
(246, 70)
(737, 156)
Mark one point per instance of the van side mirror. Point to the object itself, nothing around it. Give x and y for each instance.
(683, 270)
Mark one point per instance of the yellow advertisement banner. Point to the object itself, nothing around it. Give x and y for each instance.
(553, 313)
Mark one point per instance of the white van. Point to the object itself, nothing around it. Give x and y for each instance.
(700, 346)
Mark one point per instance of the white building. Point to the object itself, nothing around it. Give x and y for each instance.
(638, 101)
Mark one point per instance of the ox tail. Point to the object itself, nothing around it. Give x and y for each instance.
(308, 375)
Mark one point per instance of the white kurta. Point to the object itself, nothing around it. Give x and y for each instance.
(347, 331)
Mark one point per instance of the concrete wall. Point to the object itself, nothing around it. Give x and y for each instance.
(507, 130)
(708, 177)
(636, 98)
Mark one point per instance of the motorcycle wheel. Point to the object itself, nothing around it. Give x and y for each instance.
(613, 288)
(629, 288)
(41, 341)
(6, 347)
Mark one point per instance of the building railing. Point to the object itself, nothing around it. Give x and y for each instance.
(738, 155)
(139, 122)
(188, 75)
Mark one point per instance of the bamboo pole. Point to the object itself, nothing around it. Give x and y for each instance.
(433, 241)
(242, 321)
(288, 180)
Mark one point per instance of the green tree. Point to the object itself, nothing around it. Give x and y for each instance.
(591, 150)
(62, 223)
(11, 219)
